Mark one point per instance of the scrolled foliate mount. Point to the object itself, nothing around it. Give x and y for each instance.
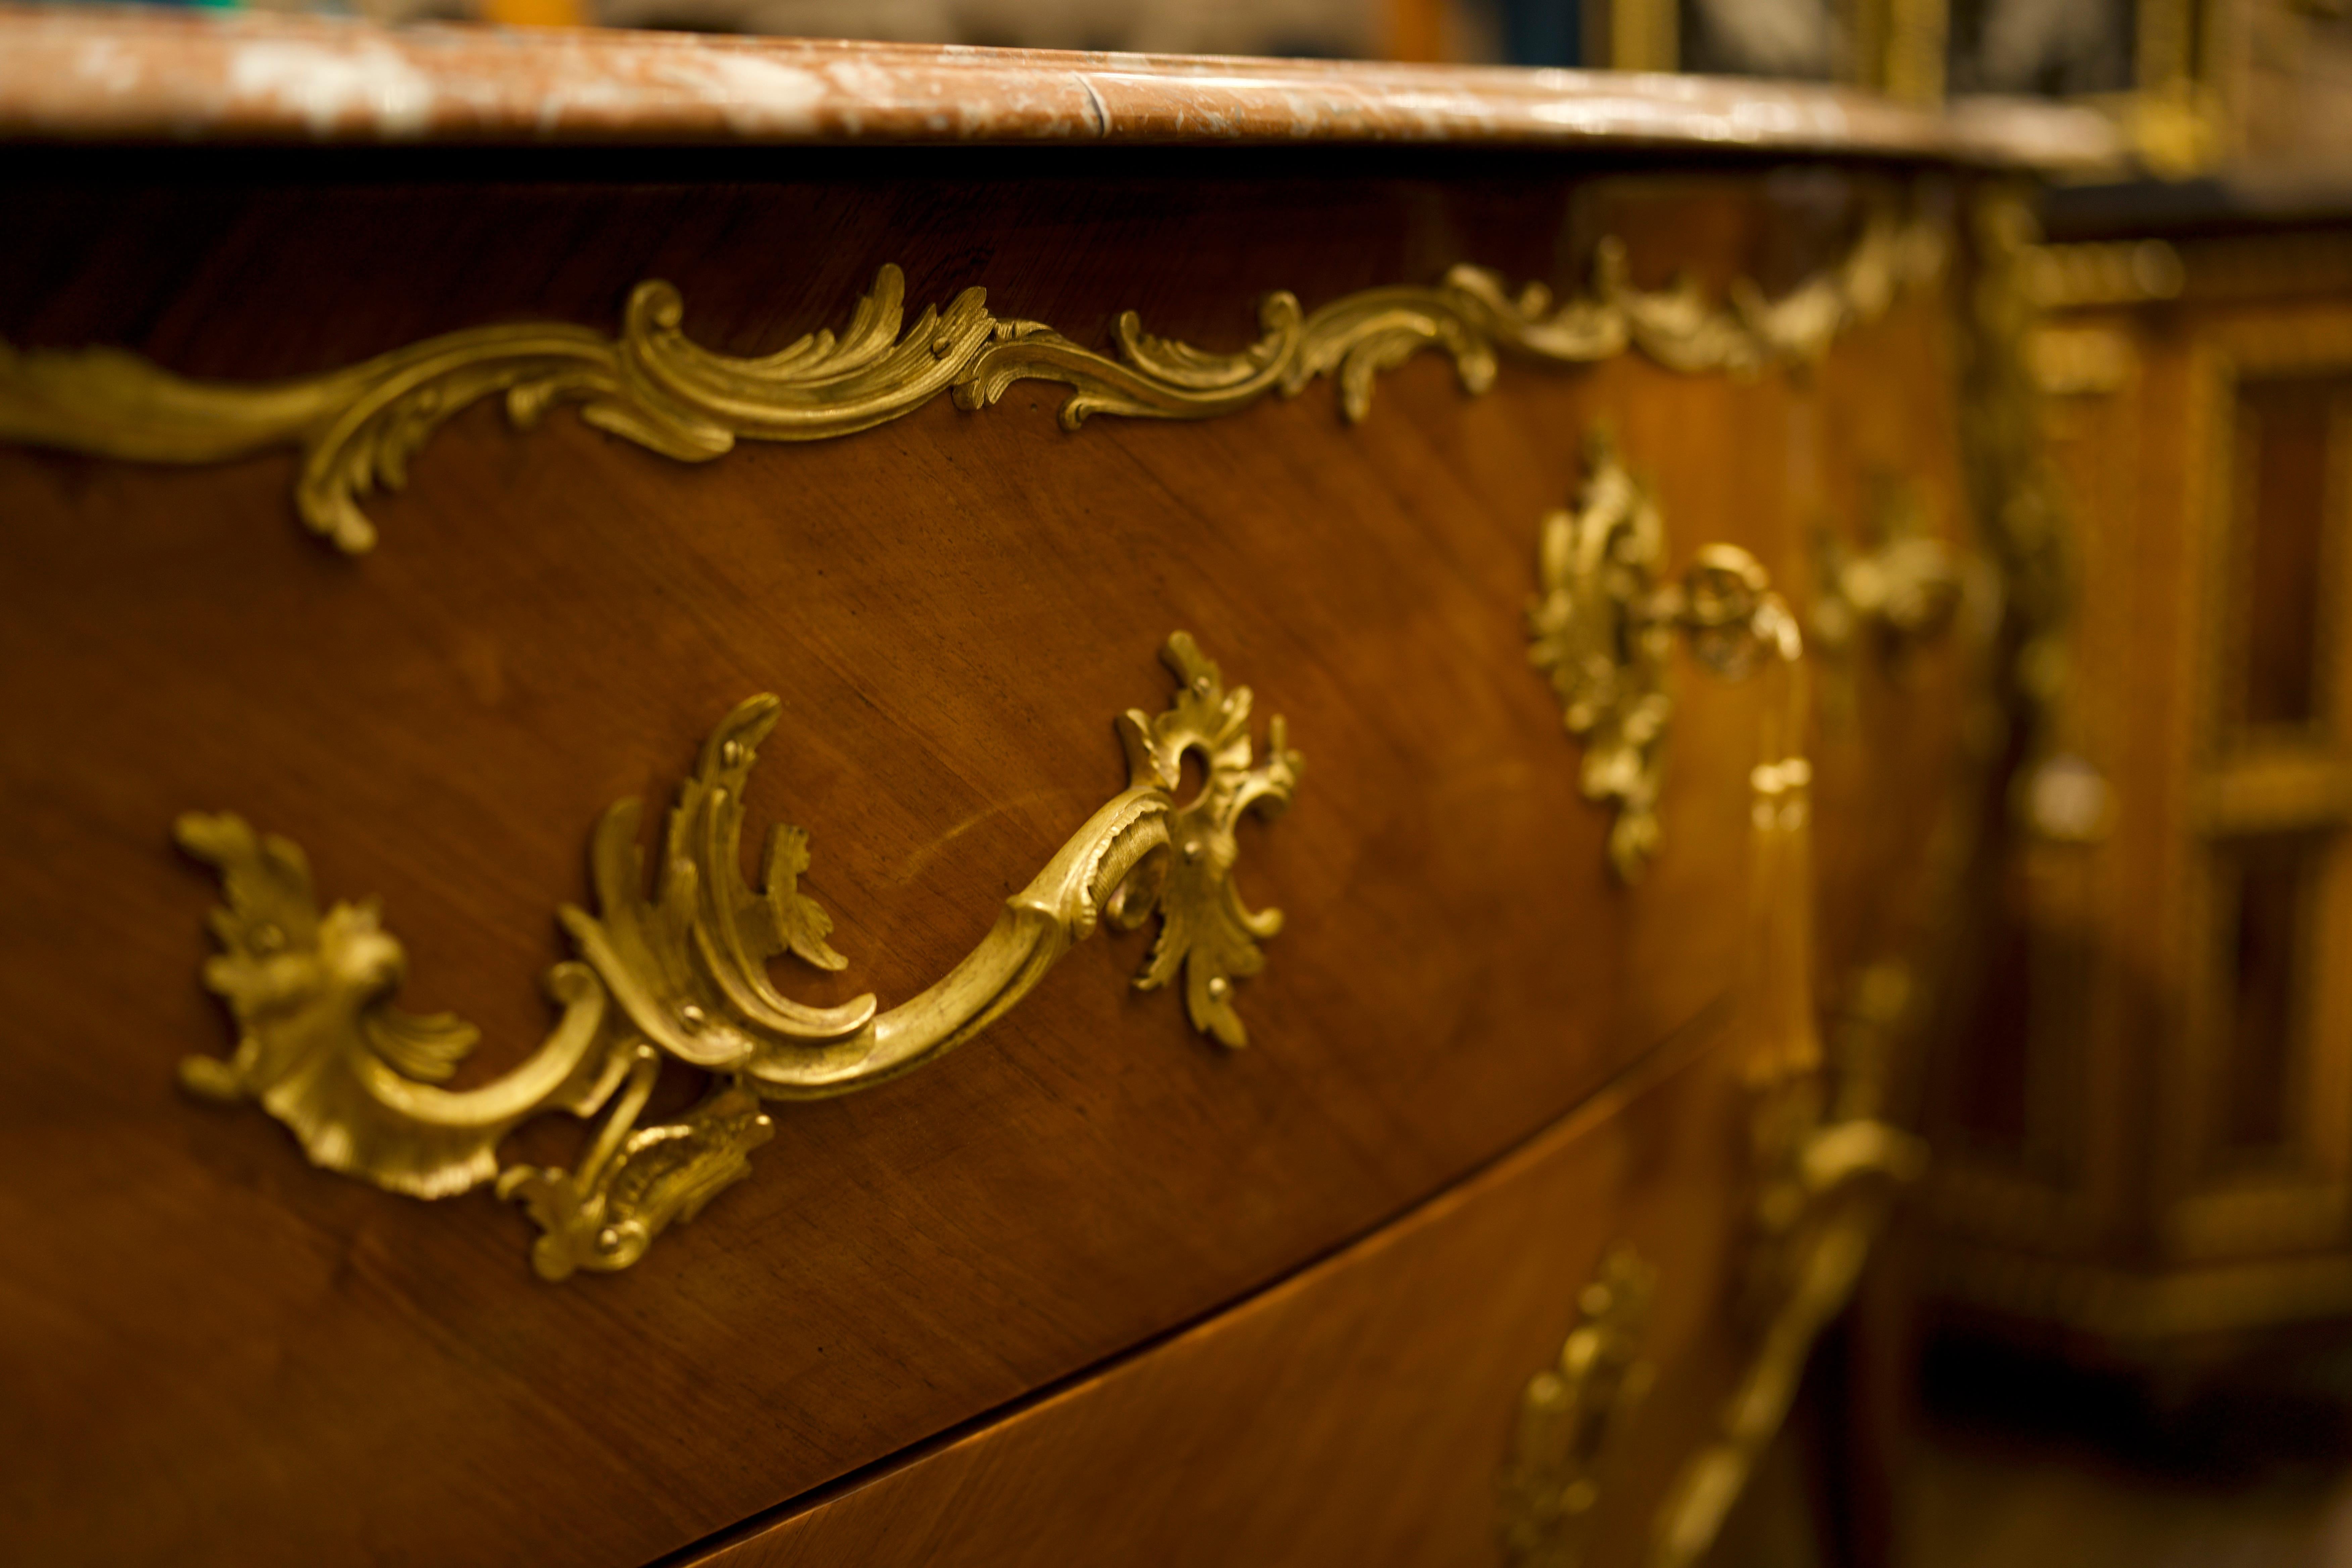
(1604, 622)
(358, 428)
(677, 967)
(1903, 589)
(1571, 1414)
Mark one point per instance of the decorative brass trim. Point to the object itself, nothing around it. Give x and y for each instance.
(1569, 1413)
(2015, 491)
(357, 428)
(683, 973)
(2045, 808)
(1826, 1199)
(2174, 114)
(1826, 1176)
(1912, 46)
(1893, 47)
(1602, 624)
(1645, 36)
(1901, 590)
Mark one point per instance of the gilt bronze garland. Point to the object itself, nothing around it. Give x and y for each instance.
(358, 429)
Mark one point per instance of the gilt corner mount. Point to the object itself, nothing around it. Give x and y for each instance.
(681, 972)
(358, 429)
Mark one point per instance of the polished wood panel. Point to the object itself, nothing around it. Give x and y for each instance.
(218, 1353)
(1360, 1411)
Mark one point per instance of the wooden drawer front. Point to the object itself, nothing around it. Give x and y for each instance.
(217, 1352)
(1363, 1410)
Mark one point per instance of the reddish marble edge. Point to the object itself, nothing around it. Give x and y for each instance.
(110, 74)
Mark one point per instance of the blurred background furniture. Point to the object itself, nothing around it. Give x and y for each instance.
(2149, 1137)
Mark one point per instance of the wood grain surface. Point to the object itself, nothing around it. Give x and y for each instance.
(1359, 1412)
(214, 1352)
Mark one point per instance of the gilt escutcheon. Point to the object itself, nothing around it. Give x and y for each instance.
(1602, 624)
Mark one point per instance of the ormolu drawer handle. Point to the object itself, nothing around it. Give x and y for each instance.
(1603, 627)
(682, 973)
(1823, 1173)
(1571, 1411)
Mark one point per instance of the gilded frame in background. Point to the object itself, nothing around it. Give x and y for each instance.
(2172, 114)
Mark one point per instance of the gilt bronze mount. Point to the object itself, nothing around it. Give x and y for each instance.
(357, 428)
(1571, 1411)
(679, 969)
(1602, 626)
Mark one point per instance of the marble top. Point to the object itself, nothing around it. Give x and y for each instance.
(110, 74)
